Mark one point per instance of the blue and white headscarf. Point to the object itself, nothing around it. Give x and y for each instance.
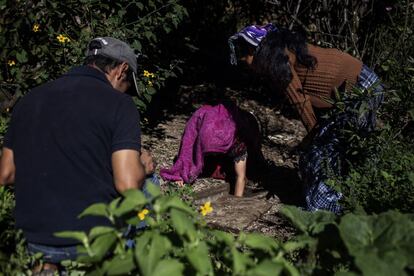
(251, 34)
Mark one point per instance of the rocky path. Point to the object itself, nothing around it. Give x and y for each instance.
(258, 210)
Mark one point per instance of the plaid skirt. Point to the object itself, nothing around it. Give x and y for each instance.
(324, 157)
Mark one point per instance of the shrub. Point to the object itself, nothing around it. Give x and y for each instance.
(42, 39)
(378, 174)
(14, 259)
(176, 242)
(354, 244)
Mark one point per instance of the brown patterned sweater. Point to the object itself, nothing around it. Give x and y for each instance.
(309, 87)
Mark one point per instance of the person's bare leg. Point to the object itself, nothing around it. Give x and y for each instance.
(240, 168)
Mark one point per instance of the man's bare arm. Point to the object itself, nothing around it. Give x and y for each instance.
(128, 171)
(7, 167)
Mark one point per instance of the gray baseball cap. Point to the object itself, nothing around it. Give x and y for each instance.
(118, 50)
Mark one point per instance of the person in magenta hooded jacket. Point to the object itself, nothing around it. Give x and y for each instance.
(212, 136)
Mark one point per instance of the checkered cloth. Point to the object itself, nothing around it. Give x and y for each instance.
(327, 151)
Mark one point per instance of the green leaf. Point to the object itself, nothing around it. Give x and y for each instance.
(76, 235)
(120, 264)
(182, 223)
(259, 241)
(199, 258)
(135, 195)
(140, 6)
(134, 199)
(100, 230)
(153, 189)
(381, 244)
(301, 242)
(22, 56)
(225, 237)
(240, 261)
(169, 268)
(266, 268)
(100, 246)
(97, 209)
(308, 222)
(136, 44)
(114, 204)
(174, 202)
(147, 96)
(151, 91)
(150, 250)
(128, 205)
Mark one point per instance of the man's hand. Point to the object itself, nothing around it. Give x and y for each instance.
(148, 162)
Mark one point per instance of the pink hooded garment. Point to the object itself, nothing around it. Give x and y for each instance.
(210, 129)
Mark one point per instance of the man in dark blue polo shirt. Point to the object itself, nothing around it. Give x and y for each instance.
(73, 142)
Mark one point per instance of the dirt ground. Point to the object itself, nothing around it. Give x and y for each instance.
(281, 136)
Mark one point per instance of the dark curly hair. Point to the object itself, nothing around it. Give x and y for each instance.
(271, 60)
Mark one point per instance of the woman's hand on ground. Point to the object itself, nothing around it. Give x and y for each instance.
(240, 169)
(180, 183)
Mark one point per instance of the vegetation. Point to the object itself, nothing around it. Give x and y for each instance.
(42, 39)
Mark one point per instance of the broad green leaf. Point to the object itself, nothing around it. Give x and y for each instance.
(240, 261)
(169, 267)
(136, 44)
(300, 242)
(97, 209)
(289, 268)
(151, 91)
(151, 254)
(174, 202)
(140, 6)
(114, 204)
(127, 206)
(265, 268)
(182, 223)
(120, 264)
(308, 222)
(381, 244)
(225, 237)
(135, 195)
(134, 200)
(259, 241)
(102, 244)
(98, 249)
(199, 258)
(22, 56)
(100, 230)
(153, 189)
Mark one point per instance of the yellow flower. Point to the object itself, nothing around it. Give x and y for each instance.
(36, 28)
(148, 74)
(206, 208)
(62, 38)
(150, 83)
(11, 62)
(142, 214)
